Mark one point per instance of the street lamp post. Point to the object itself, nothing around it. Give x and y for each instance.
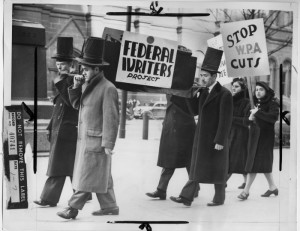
(124, 93)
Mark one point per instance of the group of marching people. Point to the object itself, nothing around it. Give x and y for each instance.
(229, 136)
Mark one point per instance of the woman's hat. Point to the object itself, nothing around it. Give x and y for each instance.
(64, 49)
(93, 52)
(212, 60)
(266, 87)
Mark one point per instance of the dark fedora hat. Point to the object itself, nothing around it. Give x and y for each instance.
(212, 60)
(64, 50)
(93, 52)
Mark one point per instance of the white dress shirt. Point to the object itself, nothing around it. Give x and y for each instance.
(211, 86)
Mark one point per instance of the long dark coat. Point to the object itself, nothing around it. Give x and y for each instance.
(63, 132)
(177, 135)
(98, 123)
(261, 161)
(214, 122)
(239, 133)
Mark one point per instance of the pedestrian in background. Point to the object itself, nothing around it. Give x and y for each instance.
(176, 142)
(97, 101)
(265, 114)
(209, 163)
(62, 129)
(239, 132)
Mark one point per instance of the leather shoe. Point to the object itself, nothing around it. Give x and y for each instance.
(242, 186)
(181, 200)
(243, 196)
(196, 194)
(109, 211)
(269, 193)
(68, 213)
(214, 204)
(44, 203)
(157, 194)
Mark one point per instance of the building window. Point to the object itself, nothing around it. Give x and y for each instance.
(286, 79)
(273, 72)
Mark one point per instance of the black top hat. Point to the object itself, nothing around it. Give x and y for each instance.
(93, 52)
(212, 60)
(64, 50)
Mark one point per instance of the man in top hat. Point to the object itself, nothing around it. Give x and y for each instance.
(62, 130)
(209, 162)
(97, 101)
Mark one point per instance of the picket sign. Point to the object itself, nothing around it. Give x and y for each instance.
(149, 64)
(245, 48)
(146, 60)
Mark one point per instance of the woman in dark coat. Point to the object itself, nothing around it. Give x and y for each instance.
(265, 114)
(176, 142)
(239, 132)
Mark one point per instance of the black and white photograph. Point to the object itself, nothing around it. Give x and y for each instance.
(149, 115)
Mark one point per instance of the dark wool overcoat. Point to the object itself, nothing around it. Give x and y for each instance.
(63, 132)
(98, 123)
(261, 159)
(239, 133)
(209, 165)
(177, 136)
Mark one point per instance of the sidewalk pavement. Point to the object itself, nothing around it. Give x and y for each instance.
(135, 173)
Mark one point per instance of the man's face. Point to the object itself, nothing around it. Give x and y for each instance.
(63, 67)
(89, 72)
(206, 79)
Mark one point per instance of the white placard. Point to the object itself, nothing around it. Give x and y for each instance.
(245, 48)
(146, 60)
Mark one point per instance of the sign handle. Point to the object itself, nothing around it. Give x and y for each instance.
(250, 91)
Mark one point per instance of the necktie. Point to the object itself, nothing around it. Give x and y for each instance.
(204, 93)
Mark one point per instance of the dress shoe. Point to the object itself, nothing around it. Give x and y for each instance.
(44, 203)
(242, 186)
(157, 194)
(243, 196)
(109, 211)
(181, 200)
(214, 204)
(196, 194)
(269, 193)
(68, 213)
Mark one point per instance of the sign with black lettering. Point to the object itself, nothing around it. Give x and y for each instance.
(146, 60)
(14, 163)
(245, 48)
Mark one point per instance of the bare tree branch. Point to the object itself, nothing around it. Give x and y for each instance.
(272, 22)
(270, 15)
(214, 15)
(227, 15)
(281, 46)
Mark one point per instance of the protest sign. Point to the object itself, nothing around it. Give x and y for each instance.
(146, 60)
(217, 43)
(245, 48)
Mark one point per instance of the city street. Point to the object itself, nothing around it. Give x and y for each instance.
(135, 173)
